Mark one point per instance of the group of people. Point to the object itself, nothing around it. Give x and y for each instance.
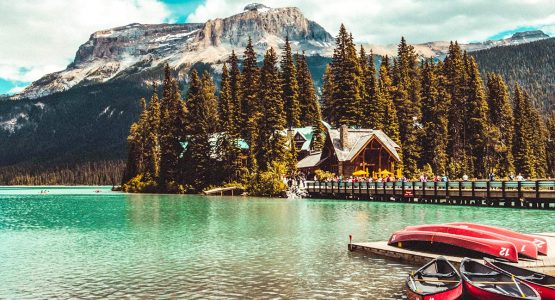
(423, 178)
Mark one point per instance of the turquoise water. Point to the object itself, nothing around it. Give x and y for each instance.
(80, 243)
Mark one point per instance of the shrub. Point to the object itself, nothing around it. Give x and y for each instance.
(137, 185)
(269, 183)
(324, 175)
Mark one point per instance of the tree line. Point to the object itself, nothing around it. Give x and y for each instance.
(442, 113)
(187, 145)
(89, 173)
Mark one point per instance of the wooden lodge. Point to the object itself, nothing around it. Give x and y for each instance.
(348, 152)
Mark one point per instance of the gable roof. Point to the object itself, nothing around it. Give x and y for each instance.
(358, 139)
(310, 161)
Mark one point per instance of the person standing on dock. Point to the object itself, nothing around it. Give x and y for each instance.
(465, 177)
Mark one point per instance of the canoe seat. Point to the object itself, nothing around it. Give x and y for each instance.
(438, 275)
(488, 274)
(533, 277)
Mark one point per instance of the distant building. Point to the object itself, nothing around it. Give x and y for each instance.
(368, 152)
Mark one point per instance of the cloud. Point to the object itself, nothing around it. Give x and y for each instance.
(40, 37)
(385, 21)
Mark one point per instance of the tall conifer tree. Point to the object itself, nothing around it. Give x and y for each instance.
(501, 116)
(251, 106)
(271, 146)
(290, 87)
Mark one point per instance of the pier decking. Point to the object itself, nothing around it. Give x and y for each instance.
(538, 194)
(544, 264)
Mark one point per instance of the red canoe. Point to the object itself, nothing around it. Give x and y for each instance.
(437, 279)
(523, 247)
(483, 282)
(540, 242)
(543, 283)
(495, 248)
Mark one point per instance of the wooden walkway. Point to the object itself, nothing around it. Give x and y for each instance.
(233, 190)
(538, 194)
(545, 264)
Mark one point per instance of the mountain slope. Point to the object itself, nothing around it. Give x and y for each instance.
(83, 113)
(532, 65)
(134, 49)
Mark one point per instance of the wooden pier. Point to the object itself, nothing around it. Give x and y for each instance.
(538, 194)
(544, 264)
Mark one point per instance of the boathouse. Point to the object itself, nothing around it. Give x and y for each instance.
(346, 151)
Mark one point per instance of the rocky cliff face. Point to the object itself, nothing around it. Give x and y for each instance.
(135, 48)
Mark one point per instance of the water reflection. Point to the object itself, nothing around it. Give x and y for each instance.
(145, 246)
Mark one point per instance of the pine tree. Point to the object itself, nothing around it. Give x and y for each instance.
(538, 141)
(290, 87)
(310, 107)
(386, 114)
(251, 106)
(501, 116)
(346, 74)
(435, 105)
(201, 103)
(172, 124)
(272, 143)
(407, 102)
(235, 86)
(136, 145)
(522, 151)
(329, 111)
(152, 144)
(372, 99)
(476, 121)
(455, 73)
(227, 143)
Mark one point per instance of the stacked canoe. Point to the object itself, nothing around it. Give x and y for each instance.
(496, 278)
(488, 240)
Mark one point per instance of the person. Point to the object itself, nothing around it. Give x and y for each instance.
(465, 177)
(491, 176)
(444, 178)
(511, 176)
(519, 177)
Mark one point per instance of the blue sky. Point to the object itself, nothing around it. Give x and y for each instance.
(42, 36)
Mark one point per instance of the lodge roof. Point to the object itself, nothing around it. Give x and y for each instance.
(310, 161)
(359, 138)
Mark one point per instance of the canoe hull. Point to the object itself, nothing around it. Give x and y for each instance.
(546, 292)
(484, 282)
(540, 242)
(524, 247)
(495, 248)
(438, 279)
(453, 294)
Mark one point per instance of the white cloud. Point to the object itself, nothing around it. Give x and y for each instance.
(42, 36)
(385, 21)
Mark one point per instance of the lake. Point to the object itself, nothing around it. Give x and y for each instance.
(88, 242)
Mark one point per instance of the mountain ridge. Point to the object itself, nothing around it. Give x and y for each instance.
(133, 49)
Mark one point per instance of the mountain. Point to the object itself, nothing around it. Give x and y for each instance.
(128, 51)
(82, 114)
(439, 49)
(532, 65)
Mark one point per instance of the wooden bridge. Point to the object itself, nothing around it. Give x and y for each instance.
(538, 194)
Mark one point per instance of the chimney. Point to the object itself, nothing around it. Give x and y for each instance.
(344, 137)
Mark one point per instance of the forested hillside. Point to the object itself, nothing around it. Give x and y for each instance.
(532, 65)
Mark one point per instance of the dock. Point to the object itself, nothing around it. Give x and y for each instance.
(544, 264)
(232, 190)
(538, 194)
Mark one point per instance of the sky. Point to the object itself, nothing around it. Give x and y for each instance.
(42, 36)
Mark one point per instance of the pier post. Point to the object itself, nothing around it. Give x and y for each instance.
(537, 190)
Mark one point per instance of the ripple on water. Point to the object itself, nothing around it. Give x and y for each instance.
(149, 246)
